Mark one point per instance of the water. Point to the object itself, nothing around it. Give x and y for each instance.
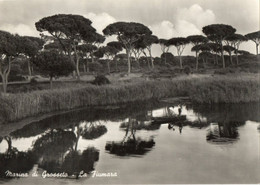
(201, 144)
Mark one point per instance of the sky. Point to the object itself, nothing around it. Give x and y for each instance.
(166, 18)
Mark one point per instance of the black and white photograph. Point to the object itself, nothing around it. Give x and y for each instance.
(129, 92)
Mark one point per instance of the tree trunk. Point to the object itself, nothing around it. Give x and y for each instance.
(128, 61)
(197, 61)
(77, 63)
(222, 56)
(257, 49)
(71, 59)
(151, 58)
(84, 68)
(77, 69)
(148, 63)
(87, 67)
(29, 69)
(204, 62)
(9, 142)
(108, 66)
(116, 66)
(5, 75)
(230, 56)
(165, 60)
(180, 61)
(4, 82)
(138, 62)
(237, 58)
(51, 82)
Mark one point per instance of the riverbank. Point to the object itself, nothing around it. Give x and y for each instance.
(200, 89)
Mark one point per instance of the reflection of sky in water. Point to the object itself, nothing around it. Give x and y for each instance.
(22, 144)
(191, 116)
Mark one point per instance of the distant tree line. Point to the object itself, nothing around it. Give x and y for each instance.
(67, 41)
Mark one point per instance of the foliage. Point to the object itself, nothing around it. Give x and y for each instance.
(197, 39)
(94, 132)
(187, 70)
(75, 161)
(101, 80)
(10, 48)
(218, 33)
(168, 57)
(179, 43)
(16, 162)
(33, 81)
(127, 33)
(54, 142)
(69, 28)
(255, 37)
(229, 48)
(53, 64)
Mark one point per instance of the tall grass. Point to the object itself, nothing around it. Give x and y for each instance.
(202, 90)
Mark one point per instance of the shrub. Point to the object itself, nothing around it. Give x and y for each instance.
(101, 80)
(33, 81)
(15, 78)
(221, 71)
(187, 70)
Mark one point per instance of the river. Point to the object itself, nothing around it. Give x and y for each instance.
(138, 143)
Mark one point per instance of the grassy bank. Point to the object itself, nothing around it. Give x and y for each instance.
(210, 89)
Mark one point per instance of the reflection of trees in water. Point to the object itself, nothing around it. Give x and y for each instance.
(229, 117)
(67, 120)
(57, 152)
(178, 119)
(228, 112)
(75, 161)
(130, 145)
(52, 145)
(224, 132)
(14, 160)
(93, 130)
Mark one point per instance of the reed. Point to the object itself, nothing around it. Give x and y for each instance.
(219, 89)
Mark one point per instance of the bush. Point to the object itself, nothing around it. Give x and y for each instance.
(33, 81)
(187, 70)
(15, 78)
(221, 71)
(176, 70)
(101, 80)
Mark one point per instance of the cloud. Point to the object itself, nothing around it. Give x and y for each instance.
(20, 29)
(196, 15)
(185, 28)
(167, 29)
(164, 29)
(189, 22)
(100, 21)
